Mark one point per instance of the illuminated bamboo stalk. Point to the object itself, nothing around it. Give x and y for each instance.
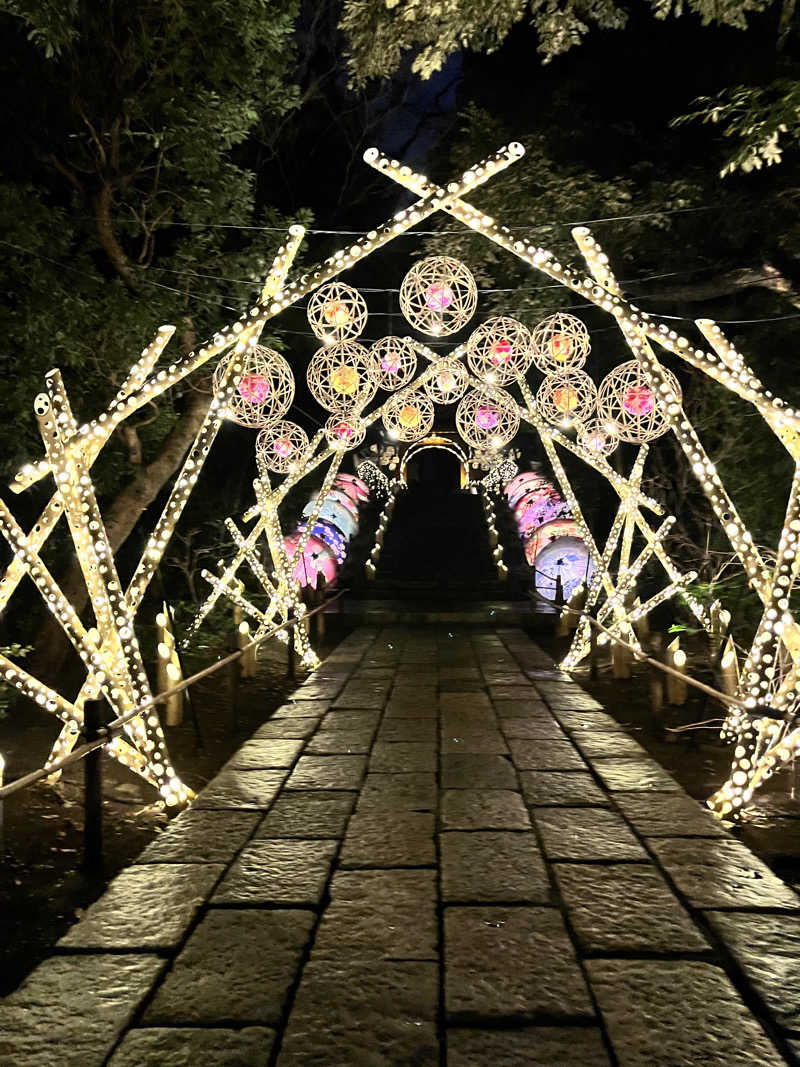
(251, 556)
(234, 595)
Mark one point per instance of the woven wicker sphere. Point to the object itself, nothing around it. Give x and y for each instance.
(264, 390)
(637, 410)
(487, 418)
(396, 360)
(280, 447)
(449, 383)
(560, 342)
(567, 397)
(343, 376)
(408, 416)
(438, 295)
(598, 437)
(344, 432)
(337, 312)
(499, 350)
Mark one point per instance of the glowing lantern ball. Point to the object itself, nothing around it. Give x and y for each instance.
(560, 342)
(254, 388)
(638, 410)
(567, 557)
(283, 447)
(543, 535)
(317, 560)
(598, 437)
(566, 399)
(280, 447)
(409, 416)
(438, 296)
(447, 381)
(336, 313)
(487, 417)
(560, 345)
(500, 351)
(638, 400)
(264, 390)
(345, 380)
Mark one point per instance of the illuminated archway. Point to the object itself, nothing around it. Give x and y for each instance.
(447, 444)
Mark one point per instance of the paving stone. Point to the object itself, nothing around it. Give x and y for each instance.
(327, 772)
(262, 753)
(586, 834)
(301, 709)
(340, 742)
(71, 1010)
(342, 719)
(536, 755)
(477, 772)
(460, 685)
(625, 907)
(147, 906)
(522, 693)
(389, 915)
(767, 948)
(544, 728)
(237, 967)
(282, 871)
(573, 721)
(493, 866)
(676, 1012)
(404, 840)
(596, 744)
(510, 963)
(398, 792)
(296, 728)
(385, 1014)
(562, 789)
(533, 1046)
(523, 709)
(315, 814)
(402, 757)
(636, 776)
(318, 689)
(464, 702)
(199, 836)
(190, 1046)
(471, 673)
(561, 695)
(392, 730)
(668, 815)
(721, 874)
(363, 696)
(241, 790)
(474, 742)
(423, 708)
(483, 809)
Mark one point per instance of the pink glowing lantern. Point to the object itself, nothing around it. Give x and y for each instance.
(439, 297)
(390, 363)
(283, 447)
(543, 535)
(254, 388)
(487, 417)
(317, 559)
(355, 488)
(638, 400)
(501, 352)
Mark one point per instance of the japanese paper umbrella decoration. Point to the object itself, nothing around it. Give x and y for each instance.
(340, 497)
(317, 559)
(518, 480)
(542, 512)
(328, 533)
(541, 492)
(354, 480)
(335, 513)
(534, 482)
(567, 557)
(543, 535)
(353, 490)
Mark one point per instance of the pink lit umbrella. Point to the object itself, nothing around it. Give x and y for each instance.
(357, 483)
(347, 502)
(317, 559)
(518, 480)
(541, 512)
(349, 490)
(543, 535)
(535, 482)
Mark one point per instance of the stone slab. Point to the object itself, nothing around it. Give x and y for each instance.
(147, 906)
(477, 772)
(340, 742)
(492, 866)
(465, 702)
(190, 1046)
(562, 789)
(473, 742)
(262, 753)
(505, 963)
(290, 728)
(385, 1014)
(315, 814)
(635, 776)
(721, 874)
(398, 792)
(542, 728)
(570, 697)
(677, 1012)
(531, 708)
(71, 1010)
(280, 871)
(422, 708)
(668, 815)
(393, 730)
(344, 719)
(625, 907)
(586, 834)
(533, 1046)
(483, 809)
(236, 968)
(402, 757)
(403, 840)
(327, 772)
(199, 836)
(599, 744)
(586, 720)
(540, 755)
(301, 709)
(241, 791)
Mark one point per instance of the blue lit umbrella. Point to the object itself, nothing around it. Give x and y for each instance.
(328, 533)
(333, 512)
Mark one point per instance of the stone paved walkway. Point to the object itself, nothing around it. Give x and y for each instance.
(441, 851)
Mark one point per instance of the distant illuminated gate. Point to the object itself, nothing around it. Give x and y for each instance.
(447, 445)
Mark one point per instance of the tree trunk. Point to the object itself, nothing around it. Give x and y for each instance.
(734, 281)
(121, 516)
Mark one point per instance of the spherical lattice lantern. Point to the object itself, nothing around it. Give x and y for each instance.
(408, 416)
(637, 410)
(598, 437)
(337, 312)
(570, 396)
(344, 431)
(560, 342)
(396, 361)
(343, 376)
(487, 418)
(499, 350)
(280, 447)
(264, 390)
(438, 295)
(449, 382)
